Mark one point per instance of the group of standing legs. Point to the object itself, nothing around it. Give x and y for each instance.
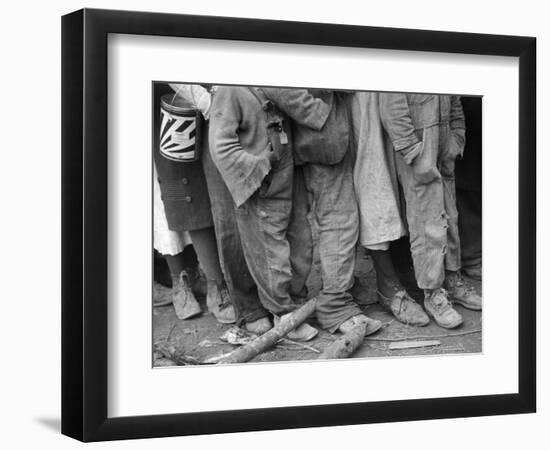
(264, 193)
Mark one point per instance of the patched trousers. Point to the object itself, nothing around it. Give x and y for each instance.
(263, 222)
(334, 206)
(429, 190)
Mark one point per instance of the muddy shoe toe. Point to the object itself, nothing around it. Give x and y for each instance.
(302, 332)
(372, 325)
(439, 307)
(259, 326)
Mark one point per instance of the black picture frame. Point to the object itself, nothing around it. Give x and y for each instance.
(84, 224)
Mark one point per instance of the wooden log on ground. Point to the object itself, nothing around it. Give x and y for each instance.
(347, 344)
(270, 338)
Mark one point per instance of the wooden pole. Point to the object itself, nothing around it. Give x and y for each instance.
(270, 338)
(347, 344)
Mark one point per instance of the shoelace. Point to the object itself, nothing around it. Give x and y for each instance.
(403, 299)
(461, 283)
(443, 295)
(225, 298)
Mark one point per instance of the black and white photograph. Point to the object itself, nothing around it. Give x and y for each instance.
(311, 224)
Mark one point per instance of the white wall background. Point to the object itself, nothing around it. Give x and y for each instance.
(30, 226)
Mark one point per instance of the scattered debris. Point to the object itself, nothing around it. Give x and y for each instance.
(411, 338)
(300, 344)
(169, 351)
(208, 343)
(237, 336)
(216, 358)
(400, 345)
(270, 338)
(164, 362)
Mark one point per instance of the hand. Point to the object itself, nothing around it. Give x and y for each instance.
(453, 149)
(409, 154)
(424, 170)
(270, 154)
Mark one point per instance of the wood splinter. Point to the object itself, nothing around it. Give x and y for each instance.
(347, 344)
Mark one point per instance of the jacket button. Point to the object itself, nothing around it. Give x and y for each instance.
(188, 199)
(185, 181)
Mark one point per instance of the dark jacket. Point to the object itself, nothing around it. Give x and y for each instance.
(182, 184)
(321, 127)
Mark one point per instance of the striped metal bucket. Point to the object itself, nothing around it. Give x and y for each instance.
(179, 129)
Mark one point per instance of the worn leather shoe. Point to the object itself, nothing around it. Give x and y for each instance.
(302, 332)
(438, 306)
(405, 309)
(259, 326)
(219, 302)
(185, 303)
(372, 325)
(461, 293)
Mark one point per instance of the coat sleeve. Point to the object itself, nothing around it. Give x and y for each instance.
(195, 94)
(457, 118)
(458, 125)
(300, 106)
(242, 171)
(396, 118)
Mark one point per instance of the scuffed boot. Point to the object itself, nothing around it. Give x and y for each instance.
(405, 309)
(439, 307)
(460, 293)
(219, 302)
(184, 300)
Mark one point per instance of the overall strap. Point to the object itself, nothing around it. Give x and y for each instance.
(271, 111)
(274, 119)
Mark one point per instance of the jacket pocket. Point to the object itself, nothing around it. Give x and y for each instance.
(453, 149)
(424, 110)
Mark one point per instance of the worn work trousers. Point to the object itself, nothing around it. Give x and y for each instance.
(263, 222)
(335, 210)
(299, 238)
(240, 283)
(469, 219)
(429, 190)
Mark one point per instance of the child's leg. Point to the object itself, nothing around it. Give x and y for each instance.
(218, 298)
(204, 241)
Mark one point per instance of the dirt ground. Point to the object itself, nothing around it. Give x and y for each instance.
(195, 340)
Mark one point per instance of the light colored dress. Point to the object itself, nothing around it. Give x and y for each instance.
(166, 241)
(375, 177)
